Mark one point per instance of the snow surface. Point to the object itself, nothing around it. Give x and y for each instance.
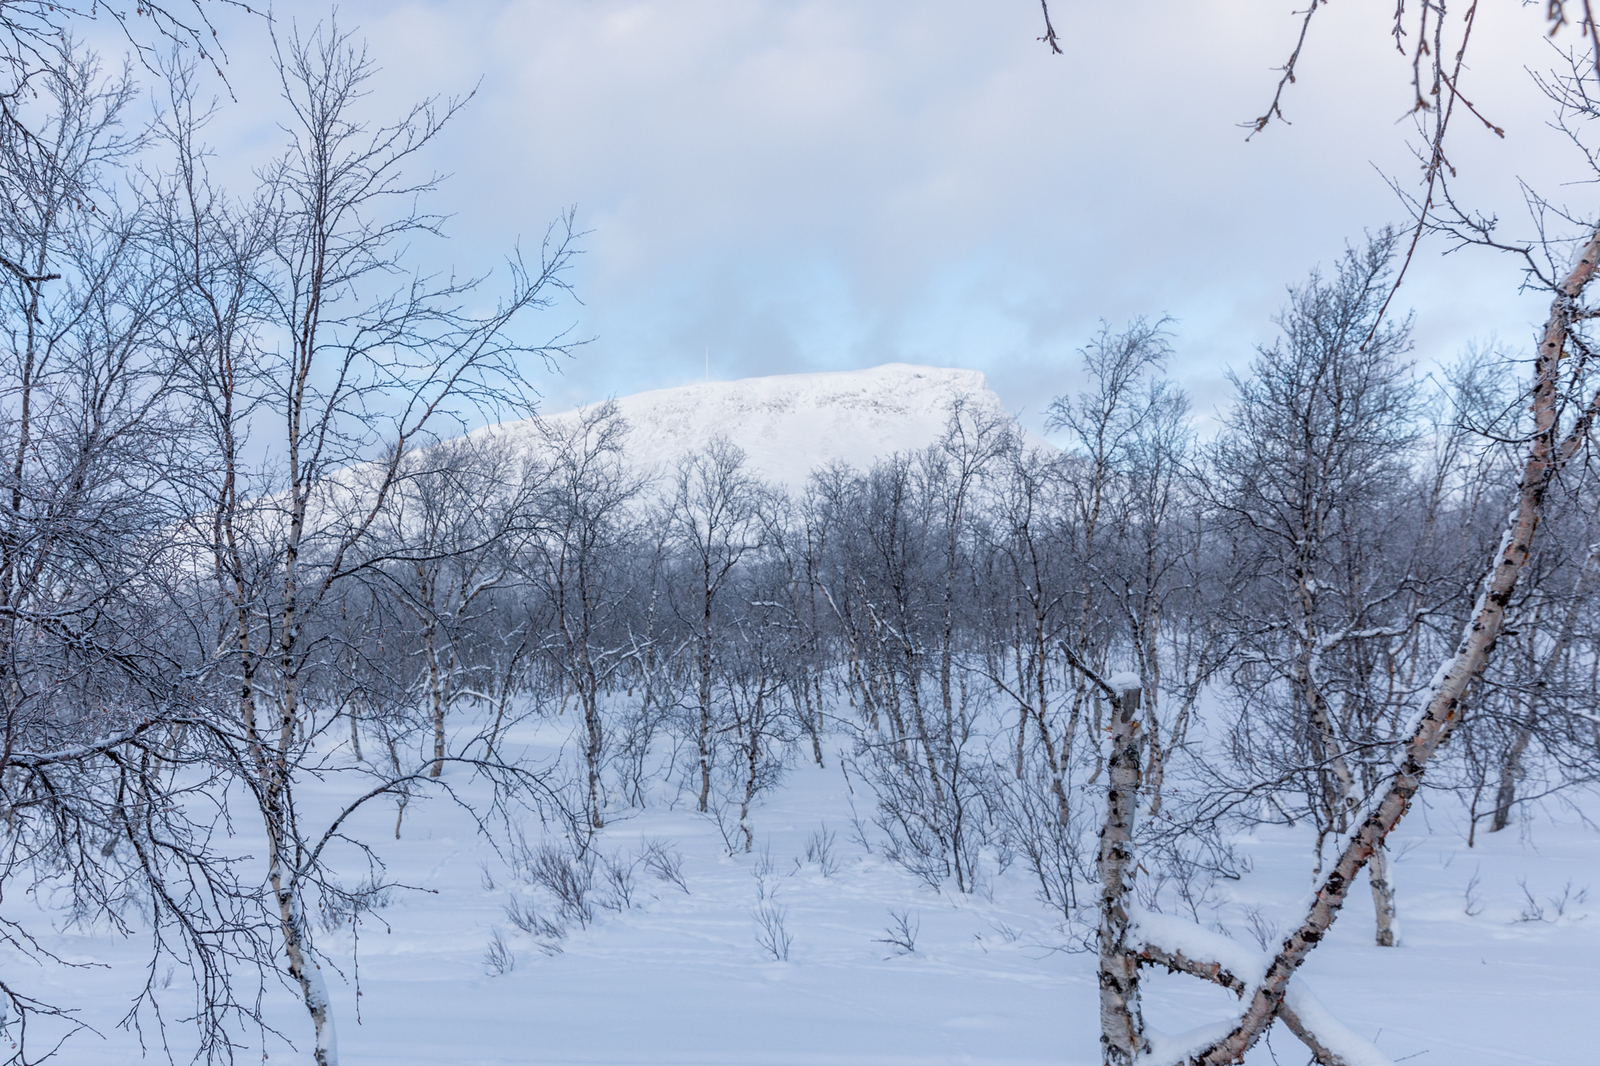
(679, 978)
(790, 424)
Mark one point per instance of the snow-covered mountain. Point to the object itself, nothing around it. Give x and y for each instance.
(792, 423)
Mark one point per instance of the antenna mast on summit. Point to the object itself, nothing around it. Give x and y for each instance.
(708, 366)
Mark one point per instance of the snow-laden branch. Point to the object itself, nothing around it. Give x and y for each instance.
(1331, 1041)
(79, 752)
(1184, 947)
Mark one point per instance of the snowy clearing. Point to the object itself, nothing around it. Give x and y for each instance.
(1487, 972)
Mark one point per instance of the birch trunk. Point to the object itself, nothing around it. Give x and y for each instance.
(1024, 710)
(1121, 1020)
(913, 690)
(1511, 767)
(303, 968)
(752, 767)
(593, 748)
(436, 698)
(704, 736)
(1382, 897)
(1548, 452)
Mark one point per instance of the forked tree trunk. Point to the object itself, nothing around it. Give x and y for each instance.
(813, 716)
(752, 755)
(914, 691)
(1505, 796)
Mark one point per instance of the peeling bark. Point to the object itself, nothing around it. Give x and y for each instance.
(1121, 1019)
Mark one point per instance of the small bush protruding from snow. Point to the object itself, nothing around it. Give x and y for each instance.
(772, 931)
(819, 850)
(567, 875)
(618, 882)
(498, 959)
(664, 862)
(901, 933)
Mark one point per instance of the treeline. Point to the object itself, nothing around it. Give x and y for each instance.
(242, 549)
(1282, 589)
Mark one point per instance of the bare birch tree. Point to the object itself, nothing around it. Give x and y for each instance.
(1325, 521)
(109, 725)
(715, 522)
(580, 561)
(356, 380)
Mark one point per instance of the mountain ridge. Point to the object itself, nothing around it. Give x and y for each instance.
(791, 424)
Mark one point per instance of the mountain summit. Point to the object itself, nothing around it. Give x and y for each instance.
(790, 424)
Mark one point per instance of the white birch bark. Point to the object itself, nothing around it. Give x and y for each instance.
(1122, 1038)
(1548, 451)
(304, 969)
(1382, 897)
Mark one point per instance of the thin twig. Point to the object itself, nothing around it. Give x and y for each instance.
(1049, 37)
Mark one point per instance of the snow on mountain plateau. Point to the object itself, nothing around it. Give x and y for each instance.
(790, 424)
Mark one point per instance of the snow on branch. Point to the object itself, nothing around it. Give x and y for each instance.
(1125, 681)
(1330, 1040)
(1176, 1049)
(1185, 947)
(1181, 945)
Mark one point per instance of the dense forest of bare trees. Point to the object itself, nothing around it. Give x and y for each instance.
(244, 547)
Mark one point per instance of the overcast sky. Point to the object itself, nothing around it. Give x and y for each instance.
(797, 185)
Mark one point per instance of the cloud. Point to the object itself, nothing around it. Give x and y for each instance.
(793, 185)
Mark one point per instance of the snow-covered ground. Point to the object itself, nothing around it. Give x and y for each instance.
(1486, 974)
